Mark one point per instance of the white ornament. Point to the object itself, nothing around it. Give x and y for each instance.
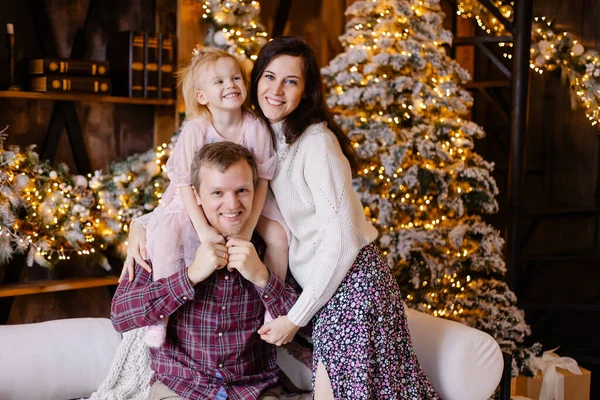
(21, 181)
(577, 49)
(220, 38)
(53, 175)
(220, 16)
(152, 169)
(540, 61)
(80, 181)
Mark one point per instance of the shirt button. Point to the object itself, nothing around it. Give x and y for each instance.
(220, 365)
(224, 308)
(185, 297)
(161, 316)
(266, 296)
(226, 277)
(220, 333)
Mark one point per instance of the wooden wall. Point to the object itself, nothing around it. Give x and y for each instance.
(111, 131)
(558, 279)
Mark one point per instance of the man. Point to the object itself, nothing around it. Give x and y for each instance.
(212, 349)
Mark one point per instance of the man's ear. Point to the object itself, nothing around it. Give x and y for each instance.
(197, 197)
(200, 98)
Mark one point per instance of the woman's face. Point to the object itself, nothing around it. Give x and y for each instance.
(281, 87)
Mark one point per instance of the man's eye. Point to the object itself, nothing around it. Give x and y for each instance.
(217, 193)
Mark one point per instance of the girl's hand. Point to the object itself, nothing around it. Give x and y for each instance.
(280, 331)
(136, 250)
(207, 233)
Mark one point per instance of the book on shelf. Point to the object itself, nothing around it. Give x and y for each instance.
(152, 65)
(63, 66)
(166, 62)
(70, 84)
(127, 54)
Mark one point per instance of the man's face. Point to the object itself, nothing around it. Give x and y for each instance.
(227, 197)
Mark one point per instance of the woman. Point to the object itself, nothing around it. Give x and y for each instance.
(362, 347)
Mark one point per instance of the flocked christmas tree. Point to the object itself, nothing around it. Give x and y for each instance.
(234, 25)
(400, 98)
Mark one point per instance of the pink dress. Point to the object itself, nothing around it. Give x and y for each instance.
(171, 240)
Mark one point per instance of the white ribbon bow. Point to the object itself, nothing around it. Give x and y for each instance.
(553, 383)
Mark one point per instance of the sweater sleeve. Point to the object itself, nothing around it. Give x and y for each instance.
(328, 176)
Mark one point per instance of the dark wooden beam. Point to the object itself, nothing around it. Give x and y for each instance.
(472, 40)
(506, 376)
(494, 59)
(281, 17)
(518, 125)
(496, 13)
(41, 23)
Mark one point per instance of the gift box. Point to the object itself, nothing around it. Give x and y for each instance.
(553, 382)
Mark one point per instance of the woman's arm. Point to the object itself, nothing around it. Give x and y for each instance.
(194, 210)
(339, 212)
(260, 195)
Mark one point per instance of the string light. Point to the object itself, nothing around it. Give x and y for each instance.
(550, 49)
(236, 27)
(57, 214)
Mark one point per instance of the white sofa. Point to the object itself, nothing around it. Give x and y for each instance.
(69, 358)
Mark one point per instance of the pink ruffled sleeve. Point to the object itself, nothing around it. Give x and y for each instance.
(191, 139)
(262, 148)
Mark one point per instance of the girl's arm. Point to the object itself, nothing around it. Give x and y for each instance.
(260, 195)
(194, 210)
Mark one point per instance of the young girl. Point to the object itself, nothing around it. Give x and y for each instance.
(214, 91)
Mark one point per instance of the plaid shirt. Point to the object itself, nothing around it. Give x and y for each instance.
(212, 329)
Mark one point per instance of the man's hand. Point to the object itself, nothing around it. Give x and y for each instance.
(243, 257)
(136, 250)
(280, 331)
(210, 256)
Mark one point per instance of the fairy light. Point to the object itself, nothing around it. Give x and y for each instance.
(550, 49)
(237, 26)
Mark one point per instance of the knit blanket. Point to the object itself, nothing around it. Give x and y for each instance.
(130, 373)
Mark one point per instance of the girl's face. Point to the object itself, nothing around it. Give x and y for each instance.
(281, 87)
(221, 86)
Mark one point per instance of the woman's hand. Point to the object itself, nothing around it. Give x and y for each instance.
(136, 251)
(280, 331)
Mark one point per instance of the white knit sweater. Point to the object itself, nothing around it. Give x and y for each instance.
(313, 188)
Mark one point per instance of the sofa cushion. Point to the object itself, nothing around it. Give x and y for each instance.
(462, 363)
(61, 359)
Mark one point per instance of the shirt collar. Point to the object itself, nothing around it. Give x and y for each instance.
(279, 141)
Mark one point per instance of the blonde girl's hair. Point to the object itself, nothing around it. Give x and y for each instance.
(188, 76)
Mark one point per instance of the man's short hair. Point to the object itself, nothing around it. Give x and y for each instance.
(221, 155)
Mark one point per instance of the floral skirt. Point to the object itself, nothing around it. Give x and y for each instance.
(361, 336)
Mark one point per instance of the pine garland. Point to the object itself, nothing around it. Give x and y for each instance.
(550, 49)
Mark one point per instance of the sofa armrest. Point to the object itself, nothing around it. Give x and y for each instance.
(61, 359)
(461, 363)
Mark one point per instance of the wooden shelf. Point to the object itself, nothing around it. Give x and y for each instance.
(21, 289)
(91, 98)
